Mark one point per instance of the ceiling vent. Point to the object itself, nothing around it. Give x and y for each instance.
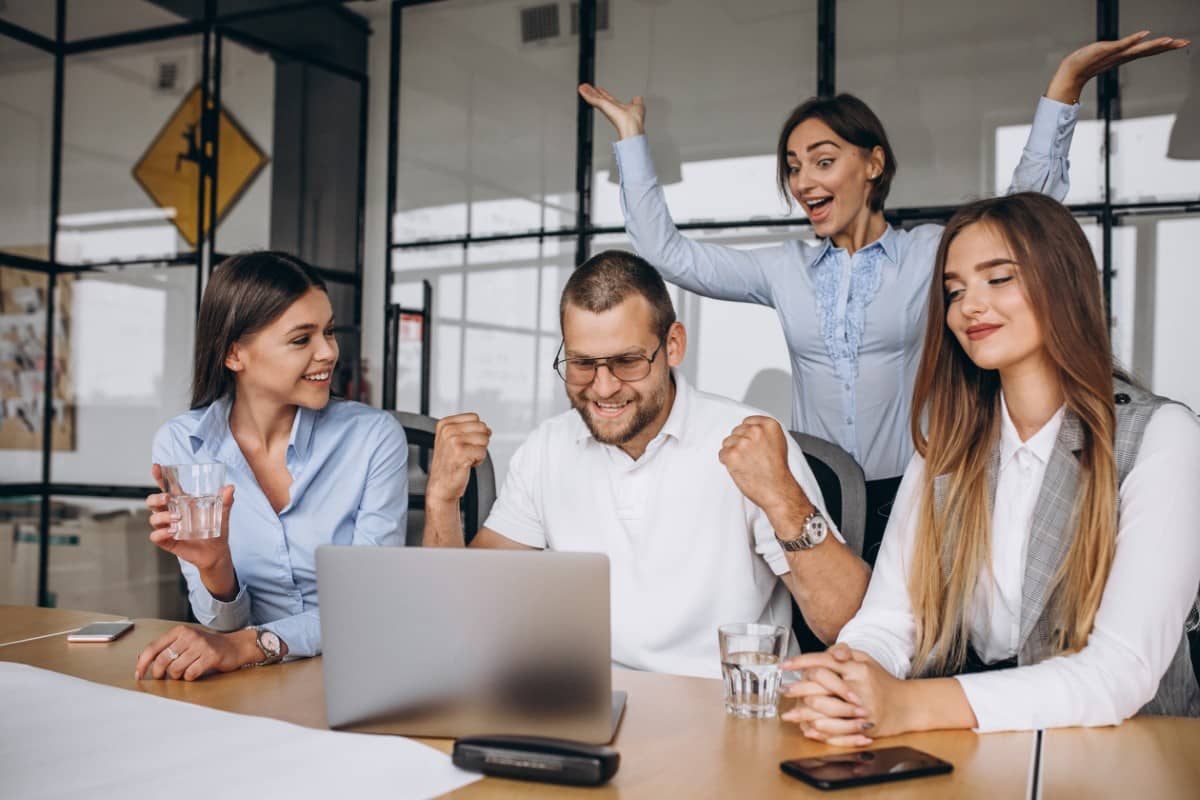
(539, 23)
(167, 73)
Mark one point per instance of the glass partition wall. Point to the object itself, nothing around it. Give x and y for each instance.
(129, 127)
(501, 179)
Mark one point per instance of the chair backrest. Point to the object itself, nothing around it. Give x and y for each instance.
(843, 486)
(481, 488)
(844, 489)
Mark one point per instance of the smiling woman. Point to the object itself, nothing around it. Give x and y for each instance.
(307, 470)
(1041, 563)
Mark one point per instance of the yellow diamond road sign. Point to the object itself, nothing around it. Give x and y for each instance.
(170, 167)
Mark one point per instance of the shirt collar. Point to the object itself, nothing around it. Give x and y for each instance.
(675, 426)
(1041, 444)
(213, 427)
(888, 242)
(212, 432)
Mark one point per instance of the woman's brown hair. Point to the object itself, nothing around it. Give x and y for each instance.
(854, 121)
(246, 293)
(956, 422)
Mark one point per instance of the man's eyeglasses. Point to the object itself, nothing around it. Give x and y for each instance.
(582, 371)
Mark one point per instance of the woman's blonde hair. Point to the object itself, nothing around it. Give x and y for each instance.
(956, 423)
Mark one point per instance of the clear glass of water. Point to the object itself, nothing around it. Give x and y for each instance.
(750, 658)
(194, 492)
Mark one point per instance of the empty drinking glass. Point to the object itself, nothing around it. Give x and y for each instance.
(750, 658)
(194, 492)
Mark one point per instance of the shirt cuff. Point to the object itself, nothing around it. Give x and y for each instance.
(776, 557)
(1053, 124)
(994, 711)
(220, 615)
(301, 633)
(511, 528)
(634, 162)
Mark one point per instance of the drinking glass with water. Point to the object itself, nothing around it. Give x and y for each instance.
(750, 658)
(194, 492)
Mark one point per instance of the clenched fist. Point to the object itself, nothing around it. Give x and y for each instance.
(459, 444)
(756, 455)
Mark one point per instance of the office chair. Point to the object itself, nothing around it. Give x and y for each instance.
(842, 484)
(481, 488)
(844, 489)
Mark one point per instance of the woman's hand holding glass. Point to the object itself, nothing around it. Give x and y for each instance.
(210, 556)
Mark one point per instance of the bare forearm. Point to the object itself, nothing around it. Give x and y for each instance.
(827, 581)
(443, 525)
(932, 704)
(221, 580)
(1065, 87)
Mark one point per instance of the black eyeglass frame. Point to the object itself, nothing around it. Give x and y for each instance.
(603, 362)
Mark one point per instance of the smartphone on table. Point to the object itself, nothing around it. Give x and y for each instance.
(101, 631)
(841, 770)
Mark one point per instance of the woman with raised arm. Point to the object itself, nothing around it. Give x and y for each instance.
(1042, 556)
(851, 305)
(307, 470)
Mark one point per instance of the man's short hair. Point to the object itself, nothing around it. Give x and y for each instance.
(607, 279)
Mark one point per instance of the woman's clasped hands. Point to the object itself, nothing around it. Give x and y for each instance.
(845, 698)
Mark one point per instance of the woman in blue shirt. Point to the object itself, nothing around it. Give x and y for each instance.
(306, 470)
(852, 305)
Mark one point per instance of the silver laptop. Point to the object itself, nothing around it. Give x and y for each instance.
(451, 642)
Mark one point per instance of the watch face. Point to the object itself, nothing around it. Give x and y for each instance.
(271, 642)
(815, 530)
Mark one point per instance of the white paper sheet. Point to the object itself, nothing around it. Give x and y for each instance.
(62, 737)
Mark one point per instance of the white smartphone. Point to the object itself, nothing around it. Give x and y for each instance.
(101, 631)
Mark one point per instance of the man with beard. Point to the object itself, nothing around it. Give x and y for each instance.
(706, 509)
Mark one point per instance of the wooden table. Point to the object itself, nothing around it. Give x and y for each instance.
(677, 741)
(23, 622)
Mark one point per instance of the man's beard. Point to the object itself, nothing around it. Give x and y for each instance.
(644, 414)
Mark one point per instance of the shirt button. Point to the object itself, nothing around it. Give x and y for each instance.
(846, 386)
(849, 420)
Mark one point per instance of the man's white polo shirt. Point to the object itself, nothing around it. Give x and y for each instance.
(687, 550)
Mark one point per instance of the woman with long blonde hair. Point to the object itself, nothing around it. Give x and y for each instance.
(1043, 555)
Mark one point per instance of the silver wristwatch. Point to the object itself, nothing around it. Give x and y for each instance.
(270, 645)
(813, 532)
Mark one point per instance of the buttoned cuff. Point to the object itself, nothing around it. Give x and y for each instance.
(301, 633)
(1053, 125)
(634, 162)
(218, 614)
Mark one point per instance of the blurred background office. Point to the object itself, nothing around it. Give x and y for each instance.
(433, 160)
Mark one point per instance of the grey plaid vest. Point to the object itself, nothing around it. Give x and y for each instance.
(1052, 528)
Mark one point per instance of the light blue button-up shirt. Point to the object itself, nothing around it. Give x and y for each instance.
(854, 325)
(349, 467)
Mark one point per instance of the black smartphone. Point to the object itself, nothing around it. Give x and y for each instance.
(840, 770)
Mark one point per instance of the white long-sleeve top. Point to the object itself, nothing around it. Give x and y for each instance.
(1150, 589)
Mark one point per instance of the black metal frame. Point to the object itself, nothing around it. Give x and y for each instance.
(1107, 213)
(214, 28)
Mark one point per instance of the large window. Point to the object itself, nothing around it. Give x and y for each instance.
(487, 148)
(112, 222)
